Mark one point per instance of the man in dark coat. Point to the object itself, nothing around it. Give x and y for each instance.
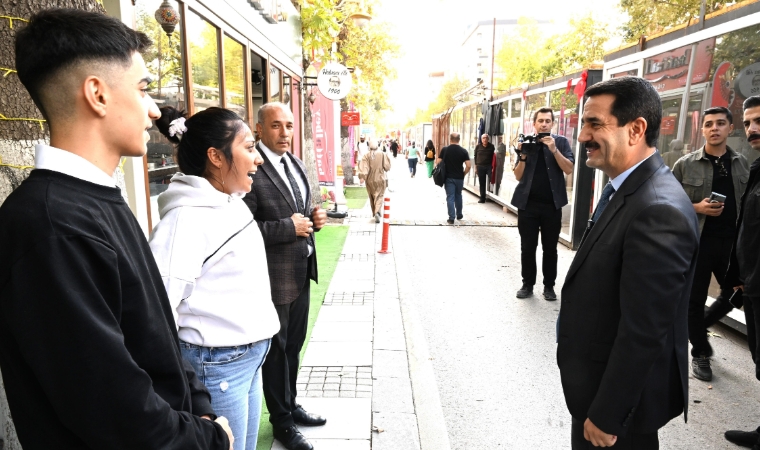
(622, 332)
(280, 201)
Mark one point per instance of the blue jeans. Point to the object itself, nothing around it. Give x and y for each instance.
(454, 196)
(233, 377)
(413, 166)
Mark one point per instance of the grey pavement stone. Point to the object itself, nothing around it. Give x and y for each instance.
(389, 338)
(399, 432)
(392, 395)
(390, 363)
(363, 388)
(363, 313)
(330, 393)
(314, 393)
(364, 369)
(344, 331)
(362, 394)
(364, 381)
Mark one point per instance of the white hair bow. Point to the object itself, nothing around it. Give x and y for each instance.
(177, 127)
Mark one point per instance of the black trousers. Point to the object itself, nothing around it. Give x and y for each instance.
(280, 369)
(483, 172)
(713, 258)
(632, 440)
(752, 315)
(548, 220)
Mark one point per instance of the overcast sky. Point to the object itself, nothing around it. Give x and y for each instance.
(428, 29)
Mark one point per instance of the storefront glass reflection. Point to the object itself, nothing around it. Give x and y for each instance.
(234, 76)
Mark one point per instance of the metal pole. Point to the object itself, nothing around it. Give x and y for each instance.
(493, 50)
(686, 97)
(702, 10)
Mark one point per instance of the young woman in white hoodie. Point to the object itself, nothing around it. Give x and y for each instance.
(211, 256)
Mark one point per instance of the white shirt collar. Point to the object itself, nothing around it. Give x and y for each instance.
(618, 180)
(62, 161)
(272, 156)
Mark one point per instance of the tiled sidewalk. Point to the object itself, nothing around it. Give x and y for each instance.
(355, 371)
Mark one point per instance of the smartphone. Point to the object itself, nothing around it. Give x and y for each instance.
(540, 136)
(717, 198)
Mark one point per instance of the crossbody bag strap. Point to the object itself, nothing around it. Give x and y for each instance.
(228, 239)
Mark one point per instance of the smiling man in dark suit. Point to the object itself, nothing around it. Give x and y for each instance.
(280, 201)
(623, 336)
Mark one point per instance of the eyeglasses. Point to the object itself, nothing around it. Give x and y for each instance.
(721, 168)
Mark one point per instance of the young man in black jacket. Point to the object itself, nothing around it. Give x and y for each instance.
(88, 345)
(744, 268)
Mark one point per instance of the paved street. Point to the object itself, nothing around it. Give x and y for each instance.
(482, 363)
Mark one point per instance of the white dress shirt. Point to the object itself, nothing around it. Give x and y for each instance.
(65, 162)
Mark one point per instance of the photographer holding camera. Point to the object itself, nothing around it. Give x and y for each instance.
(539, 198)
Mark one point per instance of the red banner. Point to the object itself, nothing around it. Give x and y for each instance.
(350, 118)
(323, 127)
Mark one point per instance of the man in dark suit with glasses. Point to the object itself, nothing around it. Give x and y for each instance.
(715, 168)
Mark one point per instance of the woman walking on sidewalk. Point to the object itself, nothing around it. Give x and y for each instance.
(430, 157)
(211, 257)
(411, 156)
(372, 169)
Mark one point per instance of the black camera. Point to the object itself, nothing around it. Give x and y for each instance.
(530, 142)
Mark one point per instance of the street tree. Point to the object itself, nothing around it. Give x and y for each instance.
(646, 17)
(442, 101)
(366, 50)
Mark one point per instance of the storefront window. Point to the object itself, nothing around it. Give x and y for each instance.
(234, 76)
(735, 67)
(258, 84)
(670, 148)
(274, 84)
(516, 108)
(566, 114)
(165, 65)
(204, 59)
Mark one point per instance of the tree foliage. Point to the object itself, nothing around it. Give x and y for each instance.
(647, 17)
(442, 102)
(164, 57)
(527, 55)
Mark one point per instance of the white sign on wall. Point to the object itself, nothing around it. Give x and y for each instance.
(334, 81)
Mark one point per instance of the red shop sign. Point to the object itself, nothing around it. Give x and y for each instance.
(668, 70)
(350, 118)
(668, 125)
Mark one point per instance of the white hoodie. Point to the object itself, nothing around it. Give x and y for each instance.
(227, 301)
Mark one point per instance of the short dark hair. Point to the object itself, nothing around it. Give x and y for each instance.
(751, 102)
(212, 127)
(718, 110)
(543, 111)
(58, 38)
(634, 97)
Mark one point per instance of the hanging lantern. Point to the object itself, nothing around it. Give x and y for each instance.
(167, 17)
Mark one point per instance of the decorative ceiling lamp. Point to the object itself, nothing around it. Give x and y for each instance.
(360, 18)
(167, 17)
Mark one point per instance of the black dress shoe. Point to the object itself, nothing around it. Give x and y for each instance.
(743, 438)
(525, 291)
(291, 438)
(700, 367)
(549, 294)
(301, 417)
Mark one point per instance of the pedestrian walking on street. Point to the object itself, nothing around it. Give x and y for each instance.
(715, 168)
(207, 243)
(539, 197)
(88, 346)
(457, 164)
(373, 168)
(430, 157)
(744, 269)
(394, 147)
(622, 331)
(483, 157)
(280, 202)
(412, 159)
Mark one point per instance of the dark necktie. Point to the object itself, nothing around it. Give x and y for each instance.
(297, 195)
(604, 200)
(294, 186)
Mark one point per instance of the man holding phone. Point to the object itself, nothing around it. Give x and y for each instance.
(714, 177)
